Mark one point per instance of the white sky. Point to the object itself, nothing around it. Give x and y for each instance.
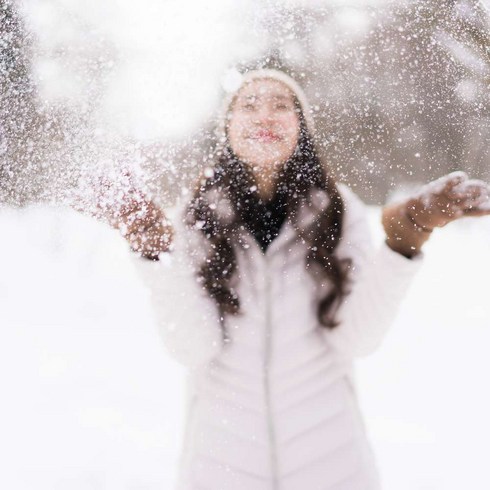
(169, 55)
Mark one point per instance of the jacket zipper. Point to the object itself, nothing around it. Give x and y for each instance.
(267, 359)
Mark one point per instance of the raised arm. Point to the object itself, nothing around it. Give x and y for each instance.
(381, 278)
(187, 317)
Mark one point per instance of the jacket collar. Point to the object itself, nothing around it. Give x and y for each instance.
(291, 230)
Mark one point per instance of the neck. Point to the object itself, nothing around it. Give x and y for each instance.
(266, 183)
(266, 179)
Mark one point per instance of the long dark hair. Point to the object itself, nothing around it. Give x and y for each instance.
(233, 179)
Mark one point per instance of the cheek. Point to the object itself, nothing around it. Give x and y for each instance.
(291, 127)
(236, 128)
(233, 133)
(240, 145)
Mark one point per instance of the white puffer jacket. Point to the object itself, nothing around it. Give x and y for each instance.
(274, 407)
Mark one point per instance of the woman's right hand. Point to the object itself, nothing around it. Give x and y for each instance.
(119, 200)
(144, 226)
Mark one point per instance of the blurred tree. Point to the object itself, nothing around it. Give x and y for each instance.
(399, 91)
(45, 144)
(18, 114)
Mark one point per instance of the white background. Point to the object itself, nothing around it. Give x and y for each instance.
(90, 399)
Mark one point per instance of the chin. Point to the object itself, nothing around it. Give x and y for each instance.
(268, 159)
(269, 163)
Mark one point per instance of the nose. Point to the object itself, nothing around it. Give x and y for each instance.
(264, 115)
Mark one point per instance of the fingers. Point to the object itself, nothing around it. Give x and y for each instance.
(147, 229)
(453, 179)
(459, 192)
(471, 194)
(139, 213)
(151, 241)
(479, 206)
(476, 212)
(440, 187)
(465, 190)
(449, 198)
(472, 187)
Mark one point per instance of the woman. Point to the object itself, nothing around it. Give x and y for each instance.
(268, 289)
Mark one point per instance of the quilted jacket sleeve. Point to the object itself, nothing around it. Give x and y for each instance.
(187, 317)
(380, 280)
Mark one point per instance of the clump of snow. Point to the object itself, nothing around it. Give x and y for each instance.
(476, 189)
(437, 186)
(461, 187)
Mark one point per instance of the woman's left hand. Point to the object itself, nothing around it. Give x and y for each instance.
(447, 199)
(408, 225)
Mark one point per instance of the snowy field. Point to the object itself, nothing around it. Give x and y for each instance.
(90, 400)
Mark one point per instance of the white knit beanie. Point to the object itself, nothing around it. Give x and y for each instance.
(235, 81)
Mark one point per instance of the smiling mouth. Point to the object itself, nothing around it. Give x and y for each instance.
(265, 135)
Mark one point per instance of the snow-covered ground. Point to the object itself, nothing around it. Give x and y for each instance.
(91, 401)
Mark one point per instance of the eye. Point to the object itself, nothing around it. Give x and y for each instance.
(283, 107)
(248, 106)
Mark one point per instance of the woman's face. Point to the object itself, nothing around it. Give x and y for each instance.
(263, 127)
